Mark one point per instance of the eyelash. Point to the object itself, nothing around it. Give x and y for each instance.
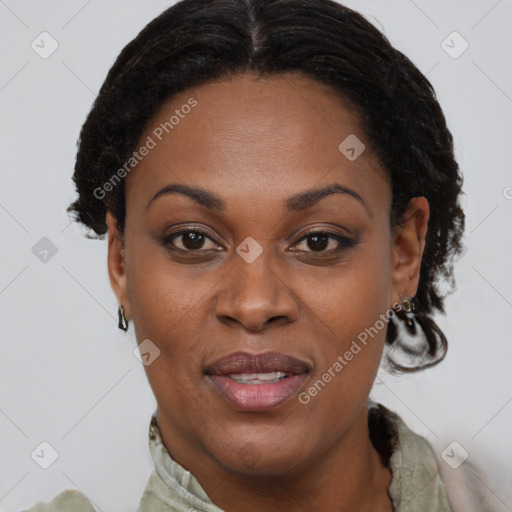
(344, 241)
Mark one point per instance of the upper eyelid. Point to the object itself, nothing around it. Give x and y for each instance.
(338, 237)
(180, 232)
(326, 231)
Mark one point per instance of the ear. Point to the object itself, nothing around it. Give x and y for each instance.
(408, 246)
(116, 266)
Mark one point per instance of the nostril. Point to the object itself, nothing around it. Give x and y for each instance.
(276, 319)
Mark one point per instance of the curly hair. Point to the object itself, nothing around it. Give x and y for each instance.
(198, 41)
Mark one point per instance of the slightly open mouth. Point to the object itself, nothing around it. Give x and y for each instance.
(259, 378)
(257, 382)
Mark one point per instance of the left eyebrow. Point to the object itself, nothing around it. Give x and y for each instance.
(305, 200)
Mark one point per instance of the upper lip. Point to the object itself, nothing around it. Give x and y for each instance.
(244, 362)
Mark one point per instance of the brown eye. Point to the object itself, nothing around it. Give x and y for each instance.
(190, 240)
(319, 241)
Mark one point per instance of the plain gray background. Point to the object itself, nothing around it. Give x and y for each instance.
(69, 376)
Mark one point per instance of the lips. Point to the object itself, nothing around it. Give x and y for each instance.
(267, 362)
(257, 382)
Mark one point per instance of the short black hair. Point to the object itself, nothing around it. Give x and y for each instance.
(199, 41)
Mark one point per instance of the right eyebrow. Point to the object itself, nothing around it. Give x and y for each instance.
(199, 195)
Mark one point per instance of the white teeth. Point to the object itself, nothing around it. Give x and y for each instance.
(258, 378)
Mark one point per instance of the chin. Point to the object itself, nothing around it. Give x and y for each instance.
(262, 459)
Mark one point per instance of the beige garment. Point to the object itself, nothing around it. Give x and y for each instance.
(416, 484)
(66, 501)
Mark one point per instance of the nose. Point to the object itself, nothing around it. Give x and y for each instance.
(256, 295)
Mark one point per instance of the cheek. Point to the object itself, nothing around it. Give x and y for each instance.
(168, 309)
(351, 297)
(162, 294)
(351, 323)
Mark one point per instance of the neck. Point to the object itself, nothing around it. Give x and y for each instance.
(345, 477)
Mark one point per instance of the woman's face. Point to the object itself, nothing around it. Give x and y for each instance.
(230, 283)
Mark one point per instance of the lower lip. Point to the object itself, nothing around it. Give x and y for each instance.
(257, 397)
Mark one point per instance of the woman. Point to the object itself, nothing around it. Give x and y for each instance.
(280, 195)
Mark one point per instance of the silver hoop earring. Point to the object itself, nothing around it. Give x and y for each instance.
(123, 322)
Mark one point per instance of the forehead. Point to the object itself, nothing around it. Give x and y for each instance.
(280, 134)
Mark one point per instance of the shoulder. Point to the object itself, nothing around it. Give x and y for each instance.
(416, 483)
(66, 501)
(422, 474)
